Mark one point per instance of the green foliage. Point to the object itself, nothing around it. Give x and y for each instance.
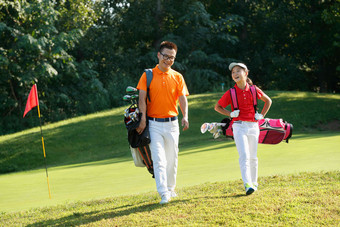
(34, 50)
(82, 53)
(290, 44)
(135, 31)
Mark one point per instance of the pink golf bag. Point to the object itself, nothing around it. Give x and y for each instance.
(272, 131)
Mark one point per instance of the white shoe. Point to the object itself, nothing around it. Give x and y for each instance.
(173, 194)
(165, 199)
(249, 189)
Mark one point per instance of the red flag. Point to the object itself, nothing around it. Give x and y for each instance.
(32, 100)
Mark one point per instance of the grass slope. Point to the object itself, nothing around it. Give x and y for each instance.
(305, 199)
(88, 156)
(102, 135)
(206, 161)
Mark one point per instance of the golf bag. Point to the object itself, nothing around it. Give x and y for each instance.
(272, 131)
(139, 143)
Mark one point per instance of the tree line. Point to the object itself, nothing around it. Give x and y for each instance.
(82, 54)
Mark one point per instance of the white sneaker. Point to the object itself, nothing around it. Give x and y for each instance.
(249, 189)
(173, 194)
(165, 199)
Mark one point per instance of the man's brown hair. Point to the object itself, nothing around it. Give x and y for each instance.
(168, 45)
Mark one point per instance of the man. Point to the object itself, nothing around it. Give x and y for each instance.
(167, 86)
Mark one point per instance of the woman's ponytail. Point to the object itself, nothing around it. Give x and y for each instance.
(249, 81)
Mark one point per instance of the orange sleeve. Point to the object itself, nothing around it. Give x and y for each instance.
(142, 83)
(183, 90)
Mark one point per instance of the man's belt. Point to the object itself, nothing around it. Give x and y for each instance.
(167, 119)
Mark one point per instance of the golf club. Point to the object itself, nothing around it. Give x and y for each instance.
(131, 90)
(134, 98)
(210, 127)
(127, 98)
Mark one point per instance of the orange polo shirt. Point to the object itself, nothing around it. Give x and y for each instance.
(165, 89)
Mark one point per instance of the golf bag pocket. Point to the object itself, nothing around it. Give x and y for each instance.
(139, 140)
(227, 129)
(271, 136)
(142, 157)
(273, 131)
(137, 158)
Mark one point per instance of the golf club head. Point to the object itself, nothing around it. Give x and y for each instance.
(204, 127)
(135, 115)
(127, 98)
(213, 127)
(134, 97)
(217, 134)
(131, 90)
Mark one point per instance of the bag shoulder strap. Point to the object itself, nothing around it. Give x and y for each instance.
(149, 77)
(254, 94)
(233, 98)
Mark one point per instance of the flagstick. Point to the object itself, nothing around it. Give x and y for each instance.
(43, 145)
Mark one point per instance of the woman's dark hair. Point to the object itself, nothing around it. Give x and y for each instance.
(249, 81)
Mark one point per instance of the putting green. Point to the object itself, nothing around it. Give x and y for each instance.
(206, 161)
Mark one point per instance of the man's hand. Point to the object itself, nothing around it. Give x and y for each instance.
(141, 126)
(185, 123)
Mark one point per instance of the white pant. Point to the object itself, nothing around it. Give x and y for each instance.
(246, 135)
(164, 152)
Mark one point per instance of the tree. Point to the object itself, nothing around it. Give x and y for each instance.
(131, 32)
(290, 45)
(33, 50)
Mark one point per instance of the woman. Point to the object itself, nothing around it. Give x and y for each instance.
(245, 127)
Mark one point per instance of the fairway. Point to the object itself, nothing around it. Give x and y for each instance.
(207, 160)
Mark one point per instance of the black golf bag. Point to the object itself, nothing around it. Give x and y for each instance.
(139, 143)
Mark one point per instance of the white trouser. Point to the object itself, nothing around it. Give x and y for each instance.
(246, 135)
(164, 152)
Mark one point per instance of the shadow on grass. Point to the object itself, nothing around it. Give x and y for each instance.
(94, 216)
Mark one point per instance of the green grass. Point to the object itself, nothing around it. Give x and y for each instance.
(305, 199)
(102, 136)
(89, 160)
(206, 161)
